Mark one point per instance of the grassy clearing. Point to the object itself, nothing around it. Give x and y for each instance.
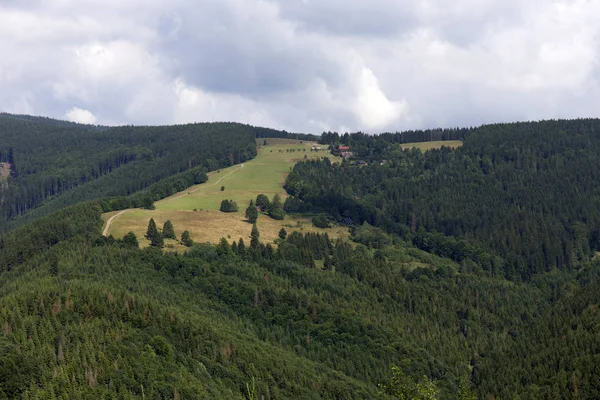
(197, 208)
(424, 146)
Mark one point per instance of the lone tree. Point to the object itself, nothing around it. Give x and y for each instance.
(153, 235)
(186, 240)
(282, 234)
(251, 213)
(254, 236)
(168, 230)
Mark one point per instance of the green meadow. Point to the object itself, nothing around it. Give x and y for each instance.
(196, 209)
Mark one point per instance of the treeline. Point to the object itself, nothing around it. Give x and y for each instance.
(89, 316)
(523, 196)
(376, 145)
(273, 133)
(58, 165)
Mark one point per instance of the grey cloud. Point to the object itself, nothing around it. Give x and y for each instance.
(301, 65)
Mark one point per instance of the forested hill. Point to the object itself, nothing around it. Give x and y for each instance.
(56, 163)
(470, 272)
(518, 199)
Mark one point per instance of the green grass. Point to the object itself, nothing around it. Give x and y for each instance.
(196, 209)
(432, 145)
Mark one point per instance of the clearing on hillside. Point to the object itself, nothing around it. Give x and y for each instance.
(424, 146)
(196, 209)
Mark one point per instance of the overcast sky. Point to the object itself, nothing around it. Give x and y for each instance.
(301, 65)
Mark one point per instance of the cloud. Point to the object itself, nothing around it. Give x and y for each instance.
(80, 115)
(301, 65)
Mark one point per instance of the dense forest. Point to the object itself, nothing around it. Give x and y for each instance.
(92, 317)
(519, 199)
(469, 273)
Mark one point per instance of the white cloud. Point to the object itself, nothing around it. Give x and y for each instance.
(80, 115)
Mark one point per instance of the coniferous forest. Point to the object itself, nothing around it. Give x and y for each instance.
(469, 273)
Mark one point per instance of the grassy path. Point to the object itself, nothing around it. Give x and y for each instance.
(110, 221)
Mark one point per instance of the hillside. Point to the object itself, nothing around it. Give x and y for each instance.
(437, 292)
(196, 209)
(57, 164)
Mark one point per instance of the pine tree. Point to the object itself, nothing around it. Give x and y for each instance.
(282, 234)
(186, 240)
(262, 202)
(241, 248)
(254, 236)
(168, 230)
(153, 235)
(130, 240)
(251, 213)
(152, 229)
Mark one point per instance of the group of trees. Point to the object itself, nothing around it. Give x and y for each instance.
(228, 206)
(273, 208)
(157, 237)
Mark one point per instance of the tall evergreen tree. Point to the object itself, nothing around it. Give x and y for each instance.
(168, 230)
(282, 234)
(251, 213)
(153, 235)
(186, 240)
(254, 236)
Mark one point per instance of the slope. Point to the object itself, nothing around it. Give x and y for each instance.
(196, 209)
(56, 164)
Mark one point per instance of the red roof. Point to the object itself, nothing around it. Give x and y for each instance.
(343, 148)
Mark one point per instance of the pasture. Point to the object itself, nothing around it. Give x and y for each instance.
(196, 209)
(424, 146)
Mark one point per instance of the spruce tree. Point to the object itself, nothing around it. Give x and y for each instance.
(153, 235)
(130, 240)
(186, 240)
(168, 230)
(241, 248)
(254, 236)
(282, 234)
(152, 229)
(251, 213)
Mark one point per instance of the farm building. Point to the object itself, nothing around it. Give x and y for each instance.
(344, 148)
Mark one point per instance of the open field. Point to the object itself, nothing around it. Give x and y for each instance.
(197, 208)
(432, 145)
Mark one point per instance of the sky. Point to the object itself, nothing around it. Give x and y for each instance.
(301, 65)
